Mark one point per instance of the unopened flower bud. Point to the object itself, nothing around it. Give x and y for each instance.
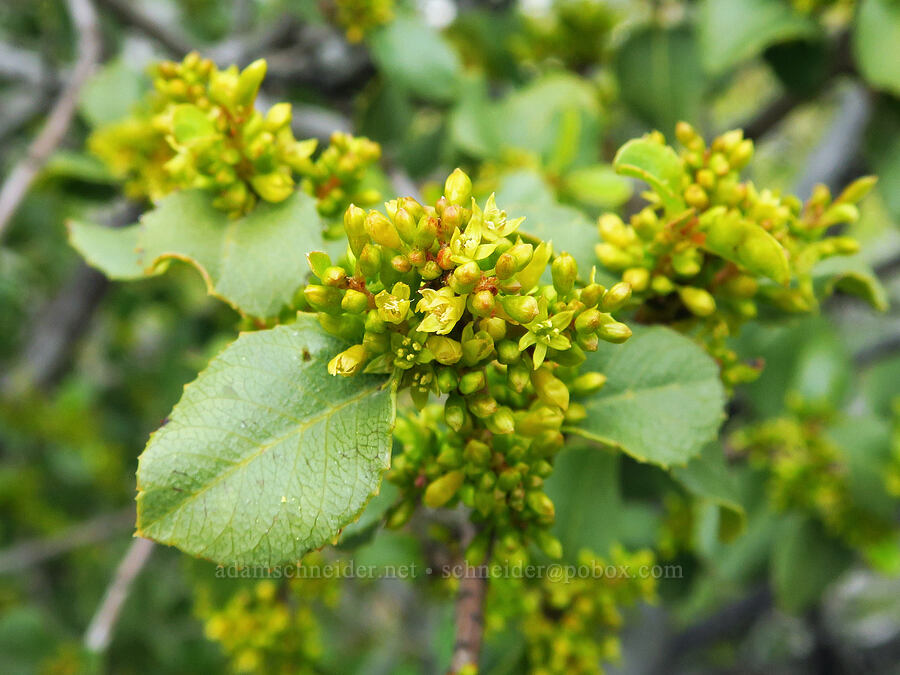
(697, 300)
(589, 321)
(550, 389)
(355, 302)
(541, 504)
(370, 260)
(508, 352)
(447, 351)
(614, 332)
(382, 231)
(481, 303)
(323, 298)
(493, 326)
(521, 308)
(616, 297)
(335, 276)
(588, 383)
(458, 188)
(447, 380)
(482, 404)
(355, 227)
(465, 277)
(540, 419)
(348, 362)
(501, 422)
(406, 225)
(477, 453)
(477, 349)
(442, 490)
(249, 81)
(564, 270)
(455, 413)
(637, 277)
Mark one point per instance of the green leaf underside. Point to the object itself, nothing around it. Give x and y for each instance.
(662, 402)
(655, 164)
(266, 456)
(254, 263)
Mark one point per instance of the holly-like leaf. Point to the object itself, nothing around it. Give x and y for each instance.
(255, 263)
(663, 400)
(732, 31)
(266, 456)
(876, 43)
(655, 164)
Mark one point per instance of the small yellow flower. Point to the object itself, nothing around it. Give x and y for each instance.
(444, 308)
(394, 306)
(495, 224)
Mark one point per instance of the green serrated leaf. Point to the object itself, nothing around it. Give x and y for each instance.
(876, 43)
(254, 263)
(733, 31)
(655, 164)
(266, 456)
(663, 400)
(113, 251)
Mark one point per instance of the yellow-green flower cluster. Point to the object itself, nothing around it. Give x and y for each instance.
(336, 176)
(360, 17)
(446, 300)
(571, 625)
(808, 472)
(269, 626)
(705, 268)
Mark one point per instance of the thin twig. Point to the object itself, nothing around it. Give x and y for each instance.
(469, 611)
(27, 554)
(84, 19)
(100, 630)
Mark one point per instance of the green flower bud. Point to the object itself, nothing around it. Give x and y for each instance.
(505, 266)
(543, 418)
(382, 231)
(550, 389)
(430, 270)
(399, 515)
(588, 383)
(482, 404)
(323, 298)
(406, 225)
(458, 188)
(493, 326)
(455, 414)
(589, 342)
(335, 276)
(355, 227)
(481, 303)
(472, 382)
(592, 294)
(573, 356)
(590, 320)
(508, 479)
(696, 196)
(521, 308)
(248, 82)
(348, 362)
(465, 277)
(508, 352)
(541, 504)
(616, 297)
(273, 187)
(450, 457)
(614, 332)
(370, 260)
(518, 376)
(451, 219)
(376, 343)
(576, 413)
(564, 270)
(355, 302)
(374, 323)
(697, 300)
(401, 264)
(426, 232)
(548, 441)
(741, 155)
(477, 349)
(442, 490)
(501, 422)
(447, 380)
(477, 453)
(279, 116)
(661, 285)
(447, 351)
(549, 544)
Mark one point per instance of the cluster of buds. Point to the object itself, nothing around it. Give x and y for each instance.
(709, 264)
(270, 626)
(445, 300)
(336, 176)
(360, 17)
(199, 128)
(571, 625)
(808, 472)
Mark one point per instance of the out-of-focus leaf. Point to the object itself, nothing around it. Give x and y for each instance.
(663, 399)
(113, 251)
(852, 275)
(415, 56)
(659, 75)
(880, 385)
(597, 185)
(584, 487)
(79, 166)
(655, 164)
(866, 444)
(472, 122)
(802, 66)
(534, 118)
(876, 43)
(804, 562)
(883, 152)
(111, 93)
(732, 31)
(266, 456)
(709, 478)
